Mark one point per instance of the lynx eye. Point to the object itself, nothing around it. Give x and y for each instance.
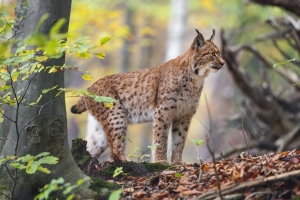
(214, 54)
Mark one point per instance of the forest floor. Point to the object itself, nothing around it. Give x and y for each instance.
(269, 176)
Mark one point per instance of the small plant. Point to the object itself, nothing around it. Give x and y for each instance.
(59, 184)
(118, 171)
(197, 142)
(115, 195)
(30, 163)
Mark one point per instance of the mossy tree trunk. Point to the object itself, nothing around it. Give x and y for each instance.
(40, 128)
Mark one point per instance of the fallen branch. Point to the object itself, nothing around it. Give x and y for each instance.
(246, 185)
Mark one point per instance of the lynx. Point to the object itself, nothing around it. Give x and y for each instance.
(167, 95)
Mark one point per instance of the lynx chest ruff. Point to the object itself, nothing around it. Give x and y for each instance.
(167, 95)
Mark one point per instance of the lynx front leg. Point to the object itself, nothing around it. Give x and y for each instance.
(161, 125)
(180, 129)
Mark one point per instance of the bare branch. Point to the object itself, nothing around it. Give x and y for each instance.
(242, 186)
(291, 5)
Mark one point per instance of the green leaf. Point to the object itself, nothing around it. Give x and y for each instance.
(52, 70)
(118, 171)
(104, 99)
(48, 160)
(81, 181)
(71, 196)
(26, 158)
(197, 142)
(33, 103)
(69, 189)
(115, 195)
(153, 147)
(87, 77)
(47, 90)
(18, 165)
(83, 55)
(43, 169)
(15, 76)
(100, 55)
(4, 88)
(42, 154)
(104, 40)
(1, 22)
(81, 40)
(50, 47)
(177, 175)
(57, 26)
(31, 167)
(41, 58)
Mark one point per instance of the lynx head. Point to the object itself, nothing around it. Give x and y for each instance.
(206, 55)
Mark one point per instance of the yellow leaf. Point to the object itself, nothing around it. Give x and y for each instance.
(100, 55)
(41, 58)
(109, 105)
(43, 169)
(87, 77)
(15, 76)
(83, 55)
(52, 70)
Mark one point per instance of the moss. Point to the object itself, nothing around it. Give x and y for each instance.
(103, 188)
(80, 155)
(156, 167)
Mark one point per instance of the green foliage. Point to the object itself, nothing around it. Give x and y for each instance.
(115, 195)
(177, 175)
(33, 163)
(25, 63)
(118, 171)
(284, 62)
(197, 142)
(57, 185)
(30, 163)
(153, 147)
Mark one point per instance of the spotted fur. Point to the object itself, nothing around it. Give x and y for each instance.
(167, 95)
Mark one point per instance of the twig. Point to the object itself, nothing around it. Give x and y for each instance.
(255, 144)
(244, 134)
(286, 138)
(215, 168)
(259, 193)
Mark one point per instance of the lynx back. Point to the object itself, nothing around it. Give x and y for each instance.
(167, 95)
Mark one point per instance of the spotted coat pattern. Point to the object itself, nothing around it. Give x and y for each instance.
(167, 95)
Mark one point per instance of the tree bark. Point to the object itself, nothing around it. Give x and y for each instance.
(125, 51)
(177, 26)
(40, 128)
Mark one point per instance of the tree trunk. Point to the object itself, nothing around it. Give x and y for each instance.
(177, 26)
(125, 51)
(40, 128)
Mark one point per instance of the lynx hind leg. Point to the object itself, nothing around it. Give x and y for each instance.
(179, 134)
(96, 139)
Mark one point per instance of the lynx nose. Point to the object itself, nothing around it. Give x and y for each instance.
(222, 62)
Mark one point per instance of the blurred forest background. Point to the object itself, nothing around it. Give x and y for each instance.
(248, 98)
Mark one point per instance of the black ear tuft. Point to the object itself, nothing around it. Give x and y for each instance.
(212, 36)
(198, 41)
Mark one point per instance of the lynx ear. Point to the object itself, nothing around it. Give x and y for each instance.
(198, 41)
(212, 36)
